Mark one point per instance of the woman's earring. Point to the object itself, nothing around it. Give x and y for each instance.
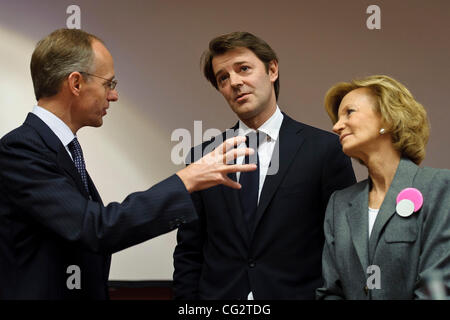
(382, 131)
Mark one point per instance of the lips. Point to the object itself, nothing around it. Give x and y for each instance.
(343, 136)
(241, 97)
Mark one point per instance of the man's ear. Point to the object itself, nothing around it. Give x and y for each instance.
(273, 70)
(74, 82)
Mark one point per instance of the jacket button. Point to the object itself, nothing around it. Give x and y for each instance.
(366, 290)
(251, 263)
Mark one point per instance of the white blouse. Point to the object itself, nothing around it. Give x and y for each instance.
(372, 216)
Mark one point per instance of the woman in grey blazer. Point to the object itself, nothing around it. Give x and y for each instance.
(387, 237)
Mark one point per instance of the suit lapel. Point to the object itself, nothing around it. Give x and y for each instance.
(52, 141)
(358, 221)
(286, 148)
(403, 178)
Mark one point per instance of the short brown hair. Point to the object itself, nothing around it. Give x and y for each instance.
(56, 56)
(230, 41)
(404, 118)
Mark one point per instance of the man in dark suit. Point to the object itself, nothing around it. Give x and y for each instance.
(56, 236)
(264, 241)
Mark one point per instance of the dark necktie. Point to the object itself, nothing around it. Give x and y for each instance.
(77, 155)
(250, 180)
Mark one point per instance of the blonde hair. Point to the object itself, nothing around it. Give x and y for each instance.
(402, 116)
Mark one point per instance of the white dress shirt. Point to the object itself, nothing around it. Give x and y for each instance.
(271, 128)
(59, 128)
(372, 217)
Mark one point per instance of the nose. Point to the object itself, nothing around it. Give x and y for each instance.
(113, 95)
(235, 80)
(338, 126)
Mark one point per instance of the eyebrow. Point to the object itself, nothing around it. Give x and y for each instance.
(346, 106)
(234, 64)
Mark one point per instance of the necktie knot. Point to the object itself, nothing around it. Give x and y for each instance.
(75, 149)
(253, 141)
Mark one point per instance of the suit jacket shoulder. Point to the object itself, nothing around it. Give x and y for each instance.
(435, 186)
(349, 193)
(24, 134)
(310, 130)
(440, 176)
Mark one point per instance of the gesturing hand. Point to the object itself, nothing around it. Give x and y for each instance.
(212, 169)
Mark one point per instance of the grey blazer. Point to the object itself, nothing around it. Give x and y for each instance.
(406, 250)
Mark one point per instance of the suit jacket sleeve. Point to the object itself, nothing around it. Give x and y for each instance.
(332, 289)
(43, 193)
(188, 254)
(435, 248)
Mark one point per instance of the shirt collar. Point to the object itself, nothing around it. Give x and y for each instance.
(271, 127)
(59, 128)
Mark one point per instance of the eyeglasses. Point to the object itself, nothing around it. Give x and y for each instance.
(111, 83)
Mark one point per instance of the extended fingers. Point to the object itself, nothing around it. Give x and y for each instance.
(239, 168)
(231, 183)
(230, 143)
(237, 152)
